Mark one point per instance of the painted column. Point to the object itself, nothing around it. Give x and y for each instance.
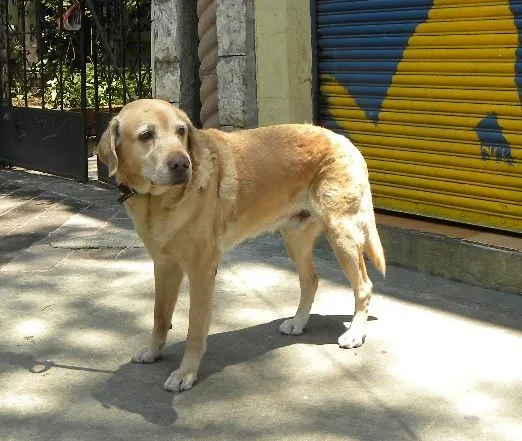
(284, 61)
(236, 64)
(174, 61)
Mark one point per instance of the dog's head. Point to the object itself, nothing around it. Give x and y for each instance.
(148, 145)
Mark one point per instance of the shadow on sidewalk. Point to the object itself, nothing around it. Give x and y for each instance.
(137, 388)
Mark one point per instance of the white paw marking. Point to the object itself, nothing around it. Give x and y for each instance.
(351, 339)
(179, 381)
(146, 356)
(292, 327)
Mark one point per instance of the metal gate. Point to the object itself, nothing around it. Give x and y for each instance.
(64, 69)
(121, 61)
(430, 91)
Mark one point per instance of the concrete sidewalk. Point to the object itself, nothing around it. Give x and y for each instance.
(441, 361)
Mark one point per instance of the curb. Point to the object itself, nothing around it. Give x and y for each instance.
(456, 259)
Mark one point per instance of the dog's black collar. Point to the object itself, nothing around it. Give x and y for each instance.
(126, 193)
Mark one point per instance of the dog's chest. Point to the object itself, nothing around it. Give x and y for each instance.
(158, 227)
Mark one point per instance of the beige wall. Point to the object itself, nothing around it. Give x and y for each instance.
(283, 61)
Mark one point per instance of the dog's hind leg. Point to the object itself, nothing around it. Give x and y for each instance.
(339, 201)
(299, 236)
(346, 240)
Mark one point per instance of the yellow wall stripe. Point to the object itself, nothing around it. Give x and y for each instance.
(432, 102)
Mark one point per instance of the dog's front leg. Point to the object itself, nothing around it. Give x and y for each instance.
(202, 283)
(167, 278)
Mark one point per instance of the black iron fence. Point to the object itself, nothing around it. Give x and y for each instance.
(66, 66)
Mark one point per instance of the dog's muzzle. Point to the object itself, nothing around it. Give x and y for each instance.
(179, 169)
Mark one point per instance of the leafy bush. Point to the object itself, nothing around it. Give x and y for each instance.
(110, 88)
(55, 74)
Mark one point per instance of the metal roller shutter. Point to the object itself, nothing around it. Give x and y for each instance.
(430, 91)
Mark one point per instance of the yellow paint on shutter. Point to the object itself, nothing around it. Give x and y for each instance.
(430, 93)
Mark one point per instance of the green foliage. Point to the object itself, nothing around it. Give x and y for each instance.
(67, 85)
(56, 71)
(110, 88)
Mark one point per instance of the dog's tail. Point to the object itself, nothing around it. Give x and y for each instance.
(372, 244)
(373, 248)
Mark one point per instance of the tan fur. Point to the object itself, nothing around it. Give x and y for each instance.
(301, 179)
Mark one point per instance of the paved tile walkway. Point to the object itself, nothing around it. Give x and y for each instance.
(441, 361)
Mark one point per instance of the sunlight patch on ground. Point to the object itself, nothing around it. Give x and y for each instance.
(477, 404)
(94, 339)
(511, 429)
(118, 266)
(255, 315)
(118, 303)
(146, 320)
(438, 362)
(314, 364)
(32, 327)
(331, 300)
(25, 402)
(263, 282)
(259, 277)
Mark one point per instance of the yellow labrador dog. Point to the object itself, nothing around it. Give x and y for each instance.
(195, 194)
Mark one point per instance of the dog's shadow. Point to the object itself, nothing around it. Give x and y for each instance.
(138, 388)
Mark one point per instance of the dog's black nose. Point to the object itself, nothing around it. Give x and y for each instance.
(178, 162)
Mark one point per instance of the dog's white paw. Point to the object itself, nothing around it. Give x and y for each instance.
(179, 381)
(146, 356)
(292, 327)
(351, 339)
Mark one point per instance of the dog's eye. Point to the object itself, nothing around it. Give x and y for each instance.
(180, 130)
(146, 135)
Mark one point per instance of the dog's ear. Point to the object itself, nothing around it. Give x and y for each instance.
(191, 136)
(106, 148)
